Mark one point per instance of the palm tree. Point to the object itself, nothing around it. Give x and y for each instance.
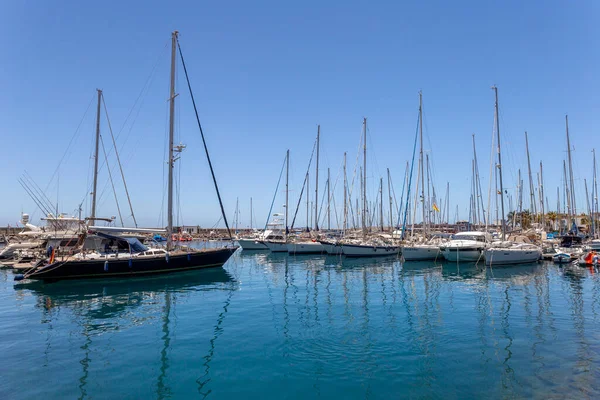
(552, 216)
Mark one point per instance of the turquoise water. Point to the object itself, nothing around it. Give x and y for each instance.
(274, 326)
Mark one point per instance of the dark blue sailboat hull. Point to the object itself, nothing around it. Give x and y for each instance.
(132, 267)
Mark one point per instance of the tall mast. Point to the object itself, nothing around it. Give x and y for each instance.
(307, 203)
(571, 180)
(567, 192)
(448, 203)
(519, 205)
(328, 199)
(474, 192)
(542, 208)
(594, 197)
(421, 166)
(317, 181)
(390, 199)
(558, 201)
(237, 213)
(361, 210)
(500, 165)
(345, 196)
(531, 190)
(171, 138)
(429, 210)
(475, 176)
(287, 181)
(364, 210)
(250, 213)
(93, 213)
(381, 203)
(478, 183)
(587, 199)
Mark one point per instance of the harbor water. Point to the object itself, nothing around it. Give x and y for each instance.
(284, 327)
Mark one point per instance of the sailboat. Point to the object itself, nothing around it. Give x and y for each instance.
(415, 251)
(367, 247)
(306, 244)
(131, 257)
(254, 241)
(278, 243)
(507, 252)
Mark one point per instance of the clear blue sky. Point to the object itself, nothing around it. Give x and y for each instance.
(266, 73)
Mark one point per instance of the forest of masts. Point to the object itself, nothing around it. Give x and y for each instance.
(419, 208)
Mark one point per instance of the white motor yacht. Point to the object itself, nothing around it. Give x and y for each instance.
(256, 241)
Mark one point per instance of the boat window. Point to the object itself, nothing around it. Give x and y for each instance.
(477, 238)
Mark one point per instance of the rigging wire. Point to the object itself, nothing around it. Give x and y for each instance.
(70, 143)
(111, 181)
(118, 160)
(276, 190)
(303, 185)
(204, 141)
(409, 182)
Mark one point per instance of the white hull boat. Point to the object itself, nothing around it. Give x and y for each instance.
(332, 248)
(276, 247)
(12, 249)
(305, 248)
(561, 258)
(466, 247)
(365, 250)
(457, 254)
(515, 254)
(419, 252)
(252, 244)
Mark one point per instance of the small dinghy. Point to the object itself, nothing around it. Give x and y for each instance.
(561, 258)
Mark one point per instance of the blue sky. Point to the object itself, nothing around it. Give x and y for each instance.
(266, 73)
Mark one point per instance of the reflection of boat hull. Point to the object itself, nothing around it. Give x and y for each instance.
(357, 250)
(500, 256)
(69, 291)
(463, 254)
(252, 244)
(420, 252)
(276, 247)
(131, 267)
(305, 248)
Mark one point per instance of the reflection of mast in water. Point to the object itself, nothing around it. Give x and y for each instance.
(428, 340)
(595, 295)
(486, 313)
(576, 304)
(316, 294)
(508, 374)
(163, 391)
(328, 290)
(544, 316)
(205, 378)
(286, 313)
(366, 329)
(85, 362)
(346, 295)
